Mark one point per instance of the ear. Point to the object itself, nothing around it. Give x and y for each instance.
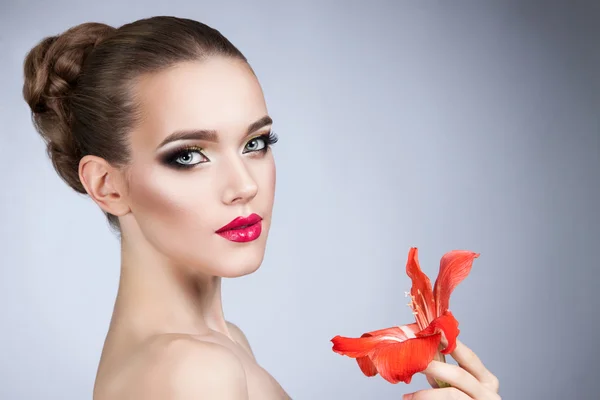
(104, 184)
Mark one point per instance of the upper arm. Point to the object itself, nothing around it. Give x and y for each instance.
(187, 369)
(239, 336)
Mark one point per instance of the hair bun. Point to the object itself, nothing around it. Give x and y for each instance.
(52, 69)
(53, 66)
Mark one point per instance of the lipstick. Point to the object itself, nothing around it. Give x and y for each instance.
(242, 229)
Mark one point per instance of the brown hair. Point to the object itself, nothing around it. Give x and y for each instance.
(79, 84)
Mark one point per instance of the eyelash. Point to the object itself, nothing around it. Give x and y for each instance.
(171, 159)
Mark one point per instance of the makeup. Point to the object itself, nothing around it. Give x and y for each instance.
(188, 156)
(242, 229)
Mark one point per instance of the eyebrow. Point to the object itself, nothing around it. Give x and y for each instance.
(210, 135)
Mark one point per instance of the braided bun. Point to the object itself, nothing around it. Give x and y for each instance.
(52, 69)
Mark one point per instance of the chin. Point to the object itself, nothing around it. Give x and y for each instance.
(239, 259)
(240, 270)
(227, 259)
(239, 264)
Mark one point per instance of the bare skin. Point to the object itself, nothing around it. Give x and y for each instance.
(168, 337)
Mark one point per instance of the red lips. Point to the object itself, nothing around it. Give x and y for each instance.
(241, 222)
(242, 229)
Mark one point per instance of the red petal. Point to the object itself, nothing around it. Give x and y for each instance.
(366, 366)
(359, 347)
(446, 324)
(454, 267)
(421, 294)
(398, 362)
(403, 332)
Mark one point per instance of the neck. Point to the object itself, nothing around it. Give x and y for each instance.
(156, 296)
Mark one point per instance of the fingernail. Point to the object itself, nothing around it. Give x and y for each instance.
(407, 396)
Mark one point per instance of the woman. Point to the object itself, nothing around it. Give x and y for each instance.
(163, 123)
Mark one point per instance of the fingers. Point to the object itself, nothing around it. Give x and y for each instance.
(460, 379)
(469, 361)
(437, 394)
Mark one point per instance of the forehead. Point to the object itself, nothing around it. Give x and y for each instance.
(217, 93)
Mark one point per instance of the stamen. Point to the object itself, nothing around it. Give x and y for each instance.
(421, 318)
(427, 313)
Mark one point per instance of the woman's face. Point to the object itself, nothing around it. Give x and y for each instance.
(200, 159)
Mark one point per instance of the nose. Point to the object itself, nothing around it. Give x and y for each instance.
(241, 186)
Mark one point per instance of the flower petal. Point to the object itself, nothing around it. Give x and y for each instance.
(422, 303)
(359, 347)
(366, 366)
(398, 362)
(454, 267)
(446, 324)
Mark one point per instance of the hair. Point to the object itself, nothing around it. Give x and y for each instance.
(80, 84)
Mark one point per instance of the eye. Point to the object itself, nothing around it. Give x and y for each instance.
(186, 157)
(256, 144)
(189, 157)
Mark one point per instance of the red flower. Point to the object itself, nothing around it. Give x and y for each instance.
(400, 352)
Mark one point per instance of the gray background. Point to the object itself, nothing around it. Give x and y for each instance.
(442, 125)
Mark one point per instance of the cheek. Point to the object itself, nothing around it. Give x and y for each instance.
(167, 206)
(264, 175)
(266, 179)
(269, 177)
(272, 179)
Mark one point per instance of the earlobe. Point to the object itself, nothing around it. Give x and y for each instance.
(103, 184)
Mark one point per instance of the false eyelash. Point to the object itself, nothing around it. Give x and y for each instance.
(270, 138)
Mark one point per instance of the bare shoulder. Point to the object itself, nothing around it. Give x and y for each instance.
(178, 367)
(240, 337)
(186, 368)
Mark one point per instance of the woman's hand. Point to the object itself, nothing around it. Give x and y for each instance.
(469, 380)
